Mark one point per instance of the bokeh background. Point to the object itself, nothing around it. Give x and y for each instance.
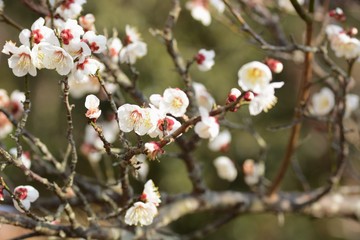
(48, 122)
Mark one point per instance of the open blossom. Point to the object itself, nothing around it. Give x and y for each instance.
(38, 33)
(141, 214)
(16, 106)
(70, 32)
(92, 104)
(205, 59)
(221, 142)
(70, 8)
(254, 76)
(49, 56)
(133, 48)
(174, 101)
(141, 166)
(342, 43)
(203, 97)
(200, 9)
(264, 100)
(26, 194)
(97, 43)
(114, 46)
(352, 103)
(151, 193)
(225, 168)
(85, 69)
(165, 125)
(87, 22)
(253, 171)
(322, 102)
(20, 61)
(208, 127)
(153, 150)
(132, 117)
(88, 84)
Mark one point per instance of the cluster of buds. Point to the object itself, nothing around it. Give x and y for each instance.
(338, 14)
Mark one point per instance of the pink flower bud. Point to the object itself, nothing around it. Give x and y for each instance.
(1, 193)
(248, 96)
(352, 32)
(274, 65)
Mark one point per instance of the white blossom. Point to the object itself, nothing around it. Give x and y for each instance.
(92, 104)
(352, 103)
(208, 127)
(25, 157)
(97, 43)
(140, 214)
(133, 48)
(221, 142)
(151, 193)
(26, 195)
(87, 22)
(70, 32)
(322, 102)
(199, 11)
(174, 101)
(6, 126)
(225, 168)
(253, 171)
(153, 150)
(203, 97)
(114, 46)
(254, 76)
(21, 61)
(264, 100)
(70, 8)
(205, 59)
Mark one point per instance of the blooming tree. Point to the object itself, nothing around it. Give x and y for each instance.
(129, 132)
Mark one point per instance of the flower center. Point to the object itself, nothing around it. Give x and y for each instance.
(21, 193)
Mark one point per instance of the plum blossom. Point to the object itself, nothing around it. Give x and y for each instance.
(165, 125)
(352, 103)
(337, 14)
(26, 195)
(151, 193)
(16, 106)
(97, 43)
(225, 168)
(20, 61)
(153, 150)
(49, 56)
(205, 59)
(25, 157)
(203, 97)
(253, 171)
(38, 33)
(4, 98)
(70, 32)
(92, 104)
(141, 165)
(155, 99)
(87, 22)
(232, 97)
(70, 8)
(208, 127)
(322, 102)
(342, 43)
(140, 214)
(88, 84)
(199, 11)
(133, 48)
(132, 117)
(221, 142)
(84, 70)
(114, 46)
(264, 100)
(254, 76)
(174, 101)
(1, 193)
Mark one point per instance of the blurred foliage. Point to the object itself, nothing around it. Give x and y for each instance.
(48, 121)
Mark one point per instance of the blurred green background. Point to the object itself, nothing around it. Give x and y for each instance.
(48, 122)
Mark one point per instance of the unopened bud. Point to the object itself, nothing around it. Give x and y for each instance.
(274, 65)
(352, 32)
(248, 96)
(233, 95)
(1, 193)
(337, 14)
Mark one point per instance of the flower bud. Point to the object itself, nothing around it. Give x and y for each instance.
(248, 96)
(1, 193)
(274, 65)
(352, 32)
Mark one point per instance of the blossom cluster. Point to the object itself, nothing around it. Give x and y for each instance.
(143, 212)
